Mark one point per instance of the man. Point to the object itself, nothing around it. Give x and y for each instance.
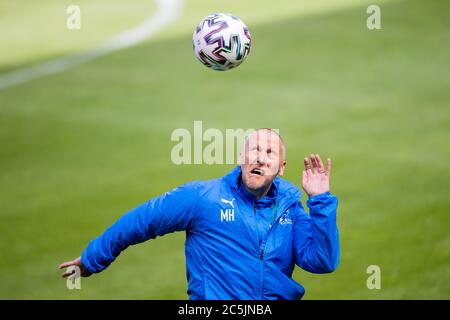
(244, 232)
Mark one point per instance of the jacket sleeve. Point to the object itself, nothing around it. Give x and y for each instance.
(172, 211)
(316, 236)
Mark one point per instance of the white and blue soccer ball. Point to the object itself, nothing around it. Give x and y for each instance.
(221, 41)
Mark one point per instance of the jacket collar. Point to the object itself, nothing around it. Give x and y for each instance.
(281, 191)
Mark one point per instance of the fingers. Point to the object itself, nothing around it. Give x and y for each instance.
(328, 171)
(77, 269)
(68, 273)
(74, 262)
(320, 164)
(314, 164)
(307, 165)
(74, 276)
(317, 163)
(69, 263)
(66, 264)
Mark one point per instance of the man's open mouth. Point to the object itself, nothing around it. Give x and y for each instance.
(259, 172)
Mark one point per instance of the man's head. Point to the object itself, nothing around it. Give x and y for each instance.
(263, 157)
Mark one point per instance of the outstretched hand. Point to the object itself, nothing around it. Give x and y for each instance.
(76, 263)
(315, 178)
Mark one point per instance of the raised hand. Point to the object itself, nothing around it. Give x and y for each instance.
(315, 178)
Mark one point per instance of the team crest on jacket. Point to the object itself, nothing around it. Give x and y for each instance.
(285, 218)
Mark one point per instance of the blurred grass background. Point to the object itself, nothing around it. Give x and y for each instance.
(80, 148)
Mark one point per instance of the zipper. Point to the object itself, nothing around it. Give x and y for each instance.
(264, 241)
(274, 211)
(256, 223)
(261, 252)
(261, 256)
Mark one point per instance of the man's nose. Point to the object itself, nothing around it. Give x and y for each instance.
(261, 158)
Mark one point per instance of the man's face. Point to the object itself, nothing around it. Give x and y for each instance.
(261, 160)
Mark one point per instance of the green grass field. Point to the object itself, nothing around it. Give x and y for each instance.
(82, 147)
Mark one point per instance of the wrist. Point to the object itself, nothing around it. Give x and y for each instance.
(318, 193)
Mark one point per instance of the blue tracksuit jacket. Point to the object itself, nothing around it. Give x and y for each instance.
(236, 247)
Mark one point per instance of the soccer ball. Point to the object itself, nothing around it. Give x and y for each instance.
(221, 41)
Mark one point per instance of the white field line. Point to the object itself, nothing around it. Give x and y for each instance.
(167, 11)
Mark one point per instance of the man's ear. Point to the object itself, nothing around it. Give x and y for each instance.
(282, 166)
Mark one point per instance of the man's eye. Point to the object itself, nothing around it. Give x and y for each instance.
(273, 154)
